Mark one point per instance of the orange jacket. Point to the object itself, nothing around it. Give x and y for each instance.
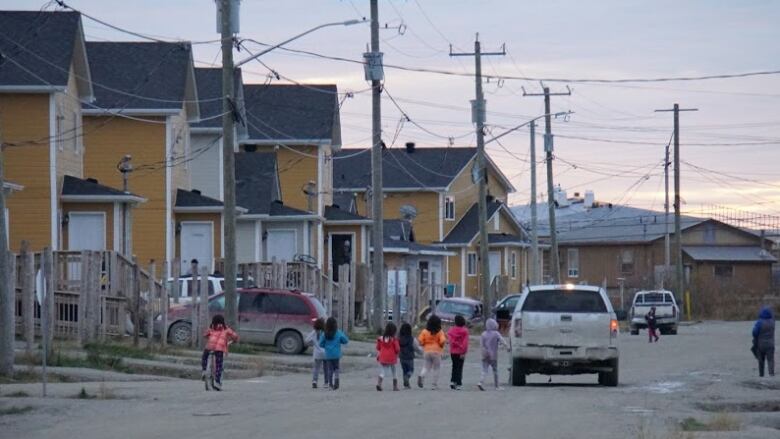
(219, 338)
(432, 342)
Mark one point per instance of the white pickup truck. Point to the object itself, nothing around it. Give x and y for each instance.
(564, 330)
(667, 313)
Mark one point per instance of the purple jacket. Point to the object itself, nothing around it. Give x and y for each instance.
(490, 340)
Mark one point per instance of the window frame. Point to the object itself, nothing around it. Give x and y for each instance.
(471, 269)
(449, 208)
(623, 262)
(513, 264)
(572, 272)
(721, 275)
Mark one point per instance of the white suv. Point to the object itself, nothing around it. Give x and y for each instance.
(564, 330)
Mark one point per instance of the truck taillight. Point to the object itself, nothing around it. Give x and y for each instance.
(518, 328)
(613, 328)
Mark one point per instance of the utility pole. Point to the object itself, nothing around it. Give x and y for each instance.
(534, 223)
(375, 74)
(7, 293)
(480, 175)
(555, 269)
(680, 281)
(227, 30)
(667, 251)
(126, 168)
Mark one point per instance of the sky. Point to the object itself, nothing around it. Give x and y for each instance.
(613, 143)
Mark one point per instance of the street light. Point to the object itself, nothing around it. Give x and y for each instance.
(337, 23)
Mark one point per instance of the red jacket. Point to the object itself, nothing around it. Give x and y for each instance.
(388, 350)
(459, 340)
(218, 338)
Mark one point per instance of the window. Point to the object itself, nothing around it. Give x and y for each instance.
(288, 304)
(569, 301)
(627, 261)
(723, 270)
(248, 302)
(449, 209)
(217, 304)
(513, 265)
(471, 264)
(573, 262)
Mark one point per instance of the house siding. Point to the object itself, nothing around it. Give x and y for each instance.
(205, 167)
(108, 139)
(214, 217)
(465, 193)
(295, 170)
(25, 118)
(69, 144)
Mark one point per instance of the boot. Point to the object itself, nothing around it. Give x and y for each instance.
(379, 384)
(407, 385)
(420, 382)
(395, 385)
(336, 384)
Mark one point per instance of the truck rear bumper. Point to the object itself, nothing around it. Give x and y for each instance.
(571, 354)
(663, 321)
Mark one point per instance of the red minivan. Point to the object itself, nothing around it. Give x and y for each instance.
(265, 316)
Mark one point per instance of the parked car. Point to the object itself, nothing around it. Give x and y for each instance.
(667, 313)
(564, 330)
(503, 311)
(265, 316)
(449, 307)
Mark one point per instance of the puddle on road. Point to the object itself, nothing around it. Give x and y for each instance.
(761, 385)
(749, 407)
(256, 381)
(639, 410)
(664, 387)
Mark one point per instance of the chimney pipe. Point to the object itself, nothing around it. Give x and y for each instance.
(409, 147)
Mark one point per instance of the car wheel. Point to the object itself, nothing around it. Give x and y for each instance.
(610, 379)
(180, 334)
(289, 343)
(673, 331)
(518, 372)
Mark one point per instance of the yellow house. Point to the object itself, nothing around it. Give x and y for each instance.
(432, 188)
(44, 78)
(145, 97)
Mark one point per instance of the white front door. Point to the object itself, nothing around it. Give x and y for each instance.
(281, 244)
(197, 242)
(494, 261)
(86, 231)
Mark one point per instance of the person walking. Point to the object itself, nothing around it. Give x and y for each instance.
(489, 342)
(219, 336)
(387, 348)
(331, 340)
(318, 353)
(764, 340)
(408, 346)
(652, 330)
(458, 336)
(432, 341)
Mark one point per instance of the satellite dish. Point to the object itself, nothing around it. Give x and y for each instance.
(408, 212)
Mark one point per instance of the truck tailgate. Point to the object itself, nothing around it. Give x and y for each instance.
(561, 329)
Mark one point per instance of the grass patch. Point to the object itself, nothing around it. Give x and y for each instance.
(104, 393)
(31, 376)
(117, 350)
(15, 410)
(719, 422)
(245, 348)
(18, 394)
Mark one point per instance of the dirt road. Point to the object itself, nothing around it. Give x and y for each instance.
(705, 369)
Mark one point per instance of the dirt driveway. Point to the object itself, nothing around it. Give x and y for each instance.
(698, 374)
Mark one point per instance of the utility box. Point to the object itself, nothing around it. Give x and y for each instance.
(235, 14)
(373, 66)
(478, 108)
(548, 142)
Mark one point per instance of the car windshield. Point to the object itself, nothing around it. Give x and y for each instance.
(318, 306)
(217, 303)
(654, 298)
(451, 307)
(572, 301)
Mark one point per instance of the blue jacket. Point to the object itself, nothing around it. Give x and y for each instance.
(765, 314)
(333, 346)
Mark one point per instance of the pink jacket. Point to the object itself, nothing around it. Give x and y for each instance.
(459, 340)
(219, 338)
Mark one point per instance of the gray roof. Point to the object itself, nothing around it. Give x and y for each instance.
(398, 229)
(425, 167)
(90, 187)
(725, 253)
(194, 198)
(468, 226)
(42, 42)
(209, 82)
(135, 75)
(335, 213)
(345, 201)
(504, 238)
(278, 208)
(603, 223)
(256, 181)
(292, 112)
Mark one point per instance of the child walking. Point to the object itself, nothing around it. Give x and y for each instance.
(219, 336)
(489, 342)
(387, 347)
(331, 340)
(318, 353)
(458, 336)
(432, 340)
(652, 330)
(408, 347)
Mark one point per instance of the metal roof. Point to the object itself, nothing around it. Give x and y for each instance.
(257, 183)
(725, 253)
